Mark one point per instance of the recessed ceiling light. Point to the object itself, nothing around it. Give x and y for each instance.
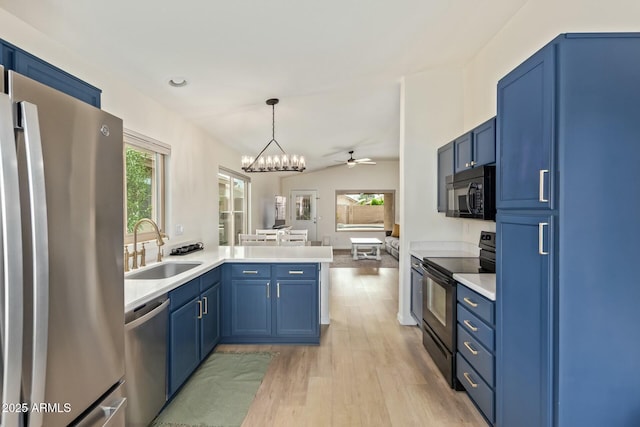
(178, 82)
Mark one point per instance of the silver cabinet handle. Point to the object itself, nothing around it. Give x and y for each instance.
(11, 232)
(278, 289)
(541, 195)
(541, 226)
(468, 378)
(249, 271)
(473, 163)
(205, 300)
(470, 325)
(471, 303)
(268, 290)
(199, 309)
(39, 251)
(296, 272)
(471, 349)
(466, 165)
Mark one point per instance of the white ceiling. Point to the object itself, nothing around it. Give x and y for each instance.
(334, 64)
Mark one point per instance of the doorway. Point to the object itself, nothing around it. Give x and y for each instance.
(304, 211)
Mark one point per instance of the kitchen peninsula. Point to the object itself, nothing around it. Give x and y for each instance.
(138, 292)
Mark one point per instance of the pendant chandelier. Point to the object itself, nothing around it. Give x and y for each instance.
(280, 162)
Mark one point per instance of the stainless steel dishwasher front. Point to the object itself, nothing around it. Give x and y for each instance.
(146, 361)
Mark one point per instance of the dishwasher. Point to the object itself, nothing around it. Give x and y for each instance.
(146, 361)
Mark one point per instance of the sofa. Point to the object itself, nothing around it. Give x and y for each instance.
(392, 241)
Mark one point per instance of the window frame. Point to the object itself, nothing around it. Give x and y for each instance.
(387, 222)
(247, 205)
(162, 151)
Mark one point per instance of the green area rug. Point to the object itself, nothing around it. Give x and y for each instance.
(219, 393)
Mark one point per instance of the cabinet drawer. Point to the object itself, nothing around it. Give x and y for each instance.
(184, 293)
(478, 390)
(292, 271)
(209, 279)
(251, 271)
(477, 304)
(478, 357)
(476, 327)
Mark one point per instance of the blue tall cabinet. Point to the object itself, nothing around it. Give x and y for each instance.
(568, 144)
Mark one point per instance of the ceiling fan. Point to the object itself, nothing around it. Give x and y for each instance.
(351, 162)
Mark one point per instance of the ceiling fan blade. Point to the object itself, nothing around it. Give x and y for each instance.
(366, 163)
(365, 159)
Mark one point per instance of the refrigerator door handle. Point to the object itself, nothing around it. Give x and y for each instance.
(114, 413)
(11, 293)
(40, 255)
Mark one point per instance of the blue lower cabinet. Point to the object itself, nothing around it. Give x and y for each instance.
(296, 308)
(194, 326)
(251, 307)
(271, 303)
(210, 322)
(184, 344)
(479, 391)
(476, 350)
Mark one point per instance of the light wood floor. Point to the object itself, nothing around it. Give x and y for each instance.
(367, 371)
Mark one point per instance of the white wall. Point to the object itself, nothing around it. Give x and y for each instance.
(384, 175)
(195, 156)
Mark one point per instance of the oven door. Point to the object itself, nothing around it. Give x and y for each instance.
(439, 306)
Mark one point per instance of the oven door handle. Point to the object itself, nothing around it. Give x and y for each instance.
(468, 196)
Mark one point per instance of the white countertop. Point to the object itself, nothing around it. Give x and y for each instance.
(484, 284)
(137, 292)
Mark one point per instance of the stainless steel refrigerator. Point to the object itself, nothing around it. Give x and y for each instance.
(61, 237)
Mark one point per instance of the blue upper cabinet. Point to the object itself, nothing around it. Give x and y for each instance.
(525, 136)
(484, 143)
(445, 168)
(476, 148)
(463, 152)
(14, 58)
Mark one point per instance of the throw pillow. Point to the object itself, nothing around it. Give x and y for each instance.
(396, 230)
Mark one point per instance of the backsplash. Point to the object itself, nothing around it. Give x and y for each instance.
(471, 229)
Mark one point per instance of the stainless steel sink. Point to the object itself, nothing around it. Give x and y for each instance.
(163, 271)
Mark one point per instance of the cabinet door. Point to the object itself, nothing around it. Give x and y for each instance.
(524, 320)
(525, 140)
(297, 308)
(184, 343)
(484, 143)
(251, 307)
(463, 152)
(416, 290)
(210, 322)
(445, 168)
(45, 73)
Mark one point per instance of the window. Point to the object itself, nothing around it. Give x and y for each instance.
(233, 193)
(364, 211)
(144, 180)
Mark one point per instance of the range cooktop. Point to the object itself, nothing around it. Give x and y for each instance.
(449, 266)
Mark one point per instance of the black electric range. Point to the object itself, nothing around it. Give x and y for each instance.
(440, 298)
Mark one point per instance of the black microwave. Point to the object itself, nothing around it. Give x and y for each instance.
(472, 193)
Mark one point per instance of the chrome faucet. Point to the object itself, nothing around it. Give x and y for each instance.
(159, 241)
